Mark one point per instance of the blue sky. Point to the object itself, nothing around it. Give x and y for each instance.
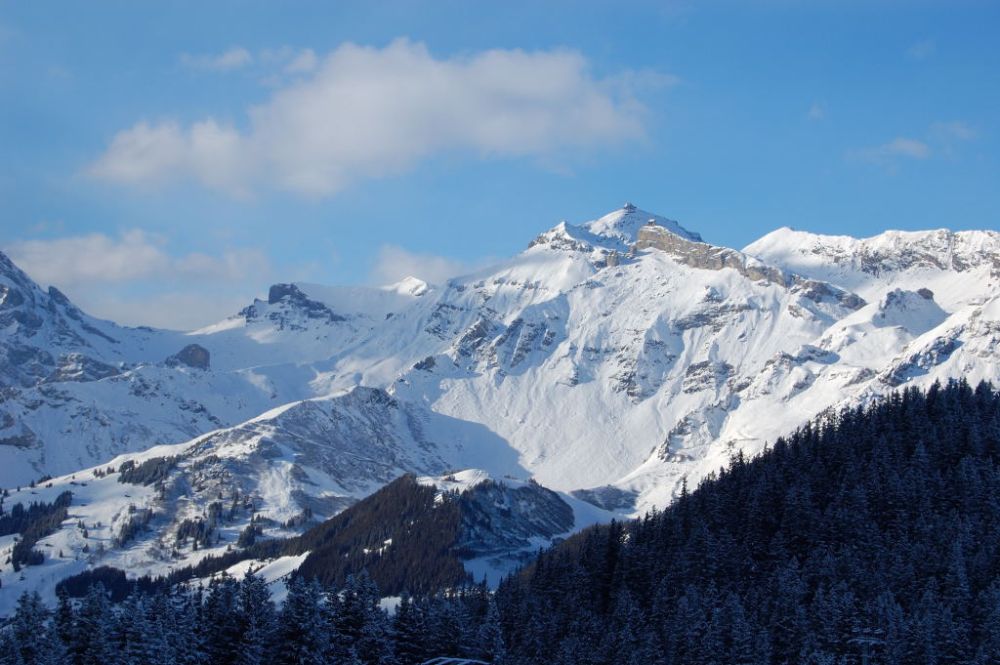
(163, 164)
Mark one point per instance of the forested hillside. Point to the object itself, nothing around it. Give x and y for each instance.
(235, 622)
(400, 536)
(872, 538)
(875, 536)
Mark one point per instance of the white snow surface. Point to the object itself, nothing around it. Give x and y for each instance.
(602, 371)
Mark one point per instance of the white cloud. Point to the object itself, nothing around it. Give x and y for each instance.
(954, 130)
(234, 58)
(945, 138)
(143, 154)
(372, 112)
(175, 310)
(90, 258)
(304, 61)
(286, 60)
(133, 279)
(133, 255)
(151, 155)
(949, 136)
(817, 111)
(393, 263)
(888, 153)
(904, 147)
(922, 49)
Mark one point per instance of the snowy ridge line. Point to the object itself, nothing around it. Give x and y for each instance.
(608, 361)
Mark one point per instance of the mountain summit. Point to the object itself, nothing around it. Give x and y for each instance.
(641, 335)
(610, 361)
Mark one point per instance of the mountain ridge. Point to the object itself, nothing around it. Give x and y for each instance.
(611, 361)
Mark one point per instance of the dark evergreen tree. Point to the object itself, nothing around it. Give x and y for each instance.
(490, 637)
(29, 640)
(410, 632)
(94, 629)
(303, 636)
(360, 624)
(257, 619)
(222, 621)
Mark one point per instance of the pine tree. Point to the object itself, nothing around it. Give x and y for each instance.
(161, 641)
(28, 639)
(64, 620)
(302, 636)
(222, 621)
(92, 643)
(989, 622)
(490, 637)
(257, 620)
(410, 632)
(188, 638)
(361, 623)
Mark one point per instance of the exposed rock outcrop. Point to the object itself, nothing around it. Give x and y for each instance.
(289, 304)
(192, 355)
(709, 257)
(78, 367)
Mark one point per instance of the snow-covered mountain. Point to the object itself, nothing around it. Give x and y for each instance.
(609, 361)
(78, 391)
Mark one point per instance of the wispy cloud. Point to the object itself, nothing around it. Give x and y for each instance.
(941, 138)
(889, 154)
(367, 112)
(47, 226)
(817, 111)
(955, 130)
(394, 263)
(903, 147)
(133, 254)
(133, 279)
(289, 60)
(234, 58)
(922, 50)
(186, 309)
(149, 155)
(949, 136)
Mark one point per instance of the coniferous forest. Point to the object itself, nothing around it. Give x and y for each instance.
(869, 538)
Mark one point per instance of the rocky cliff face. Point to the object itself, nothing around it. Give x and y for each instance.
(42, 329)
(707, 257)
(192, 355)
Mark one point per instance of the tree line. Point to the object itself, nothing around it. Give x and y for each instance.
(236, 622)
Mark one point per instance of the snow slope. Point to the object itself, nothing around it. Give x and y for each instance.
(609, 361)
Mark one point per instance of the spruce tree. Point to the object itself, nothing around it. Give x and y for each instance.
(257, 619)
(29, 640)
(302, 636)
(92, 641)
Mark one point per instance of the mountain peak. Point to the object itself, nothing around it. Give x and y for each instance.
(624, 223)
(408, 286)
(11, 273)
(618, 230)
